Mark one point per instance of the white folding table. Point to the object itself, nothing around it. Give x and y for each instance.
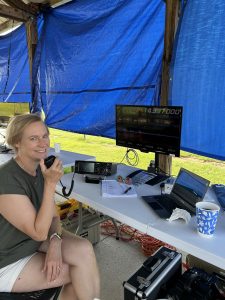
(136, 213)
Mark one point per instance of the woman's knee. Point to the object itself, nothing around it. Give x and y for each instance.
(68, 292)
(79, 249)
(86, 248)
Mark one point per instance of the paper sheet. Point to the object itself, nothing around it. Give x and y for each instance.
(113, 188)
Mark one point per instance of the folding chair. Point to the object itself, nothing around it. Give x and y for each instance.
(37, 295)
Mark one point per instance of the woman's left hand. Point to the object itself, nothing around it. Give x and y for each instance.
(53, 260)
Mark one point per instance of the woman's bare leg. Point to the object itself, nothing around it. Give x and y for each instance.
(67, 292)
(79, 269)
(78, 253)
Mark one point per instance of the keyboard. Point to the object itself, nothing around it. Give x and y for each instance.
(161, 204)
(165, 200)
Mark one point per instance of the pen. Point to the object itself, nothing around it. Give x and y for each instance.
(129, 188)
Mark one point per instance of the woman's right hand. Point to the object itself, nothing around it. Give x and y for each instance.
(53, 174)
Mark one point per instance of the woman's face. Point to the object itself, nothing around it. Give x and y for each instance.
(35, 142)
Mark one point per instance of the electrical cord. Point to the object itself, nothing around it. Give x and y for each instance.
(126, 233)
(123, 158)
(130, 159)
(135, 157)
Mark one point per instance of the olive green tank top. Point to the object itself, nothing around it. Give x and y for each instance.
(14, 244)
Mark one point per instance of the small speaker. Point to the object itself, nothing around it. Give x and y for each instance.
(95, 167)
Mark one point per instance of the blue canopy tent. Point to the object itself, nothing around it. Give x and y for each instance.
(197, 77)
(92, 55)
(79, 85)
(14, 67)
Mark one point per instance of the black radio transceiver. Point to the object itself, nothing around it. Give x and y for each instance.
(95, 167)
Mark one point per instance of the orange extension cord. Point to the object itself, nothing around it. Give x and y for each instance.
(126, 233)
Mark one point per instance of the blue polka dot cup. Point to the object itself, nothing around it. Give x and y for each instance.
(206, 214)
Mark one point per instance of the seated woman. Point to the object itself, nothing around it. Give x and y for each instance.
(35, 253)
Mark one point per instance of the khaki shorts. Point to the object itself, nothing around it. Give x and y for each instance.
(9, 274)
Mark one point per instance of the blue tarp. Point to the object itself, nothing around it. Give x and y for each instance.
(95, 54)
(14, 67)
(197, 77)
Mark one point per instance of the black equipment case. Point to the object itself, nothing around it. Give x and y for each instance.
(155, 276)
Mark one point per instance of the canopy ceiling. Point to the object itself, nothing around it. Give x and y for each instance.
(14, 12)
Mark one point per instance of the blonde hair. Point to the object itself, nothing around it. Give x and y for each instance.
(17, 125)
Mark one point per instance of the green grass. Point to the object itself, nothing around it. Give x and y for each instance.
(105, 149)
(11, 109)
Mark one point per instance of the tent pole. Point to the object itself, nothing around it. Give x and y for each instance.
(172, 8)
(32, 38)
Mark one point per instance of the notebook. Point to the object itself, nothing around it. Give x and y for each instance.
(188, 189)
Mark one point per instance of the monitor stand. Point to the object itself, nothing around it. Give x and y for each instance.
(160, 176)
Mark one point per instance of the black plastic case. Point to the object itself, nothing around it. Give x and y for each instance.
(155, 276)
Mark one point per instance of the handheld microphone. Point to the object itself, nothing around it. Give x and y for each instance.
(48, 162)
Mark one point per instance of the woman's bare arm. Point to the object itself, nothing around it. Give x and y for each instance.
(20, 212)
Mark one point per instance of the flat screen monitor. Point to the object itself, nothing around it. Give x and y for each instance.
(149, 128)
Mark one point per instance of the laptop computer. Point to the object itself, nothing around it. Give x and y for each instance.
(188, 189)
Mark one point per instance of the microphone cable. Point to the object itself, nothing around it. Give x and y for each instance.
(64, 192)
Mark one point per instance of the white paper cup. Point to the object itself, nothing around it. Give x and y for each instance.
(206, 214)
(57, 147)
